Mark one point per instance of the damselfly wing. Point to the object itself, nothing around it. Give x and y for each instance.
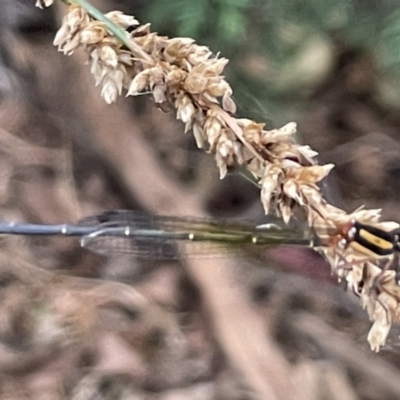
(155, 237)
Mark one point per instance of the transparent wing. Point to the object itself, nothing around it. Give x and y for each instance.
(157, 237)
(157, 249)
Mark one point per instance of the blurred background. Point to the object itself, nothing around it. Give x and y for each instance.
(276, 325)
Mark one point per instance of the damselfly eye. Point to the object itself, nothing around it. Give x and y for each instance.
(351, 234)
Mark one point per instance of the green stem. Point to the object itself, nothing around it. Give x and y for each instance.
(117, 31)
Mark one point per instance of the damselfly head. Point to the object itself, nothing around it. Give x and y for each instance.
(342, 235)
(351, 234)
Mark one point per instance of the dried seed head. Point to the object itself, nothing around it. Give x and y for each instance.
(212, 128)
(199, 135)
(112, 84)
(185, 110)
(228, 104)
(121, 19)
(176, 52)
(270, 185)
(92, 34)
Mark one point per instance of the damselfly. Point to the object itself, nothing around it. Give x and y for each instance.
(155, 236)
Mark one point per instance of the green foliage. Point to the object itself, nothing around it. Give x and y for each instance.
(280, 51)
(219, 21)
(390, 42)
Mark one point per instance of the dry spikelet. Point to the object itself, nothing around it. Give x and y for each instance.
(185, 76)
